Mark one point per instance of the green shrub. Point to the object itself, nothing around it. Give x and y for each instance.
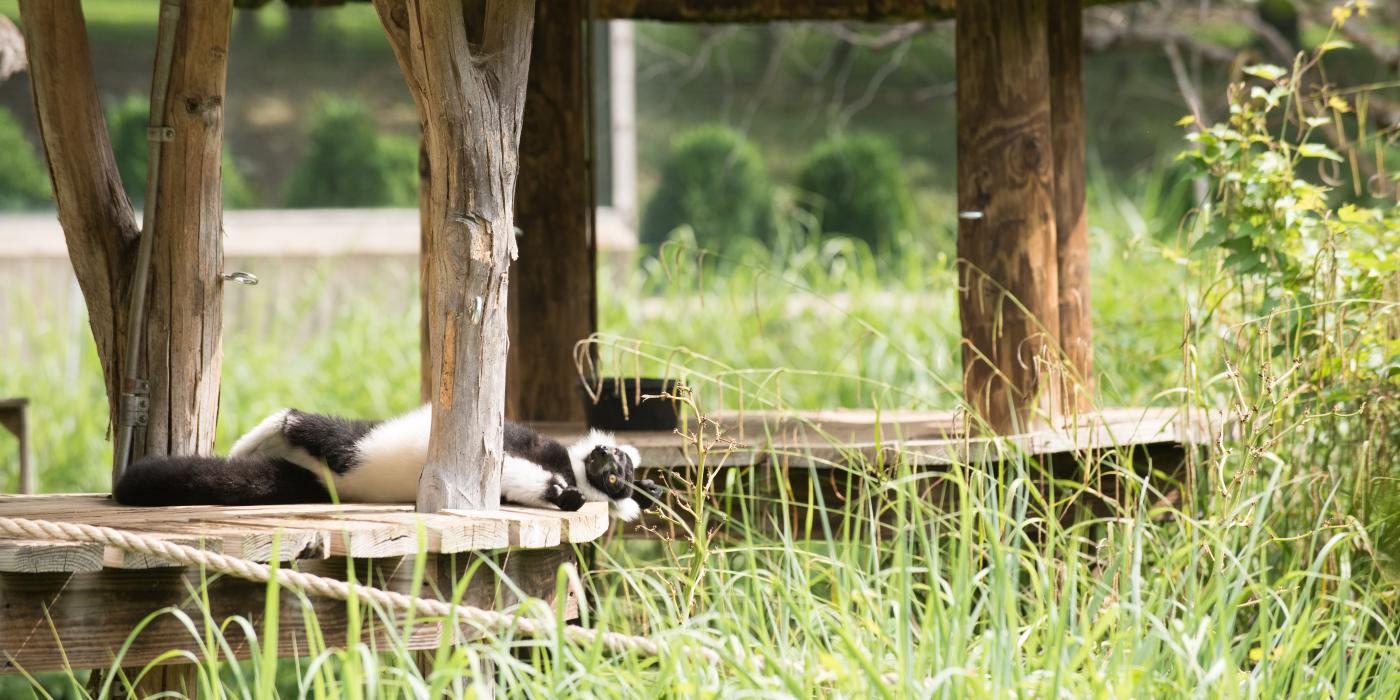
(24, 184)
(713, 181)
(127, 122)
(853, 186)
(350, 164)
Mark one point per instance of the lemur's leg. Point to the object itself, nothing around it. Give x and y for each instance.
(330, 439)
(529, 484)
(266, 439)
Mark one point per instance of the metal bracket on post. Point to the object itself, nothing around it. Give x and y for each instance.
(135, 408)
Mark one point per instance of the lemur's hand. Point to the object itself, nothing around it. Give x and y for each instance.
(648, 493)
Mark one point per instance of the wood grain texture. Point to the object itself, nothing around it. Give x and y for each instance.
(182, 351)
(763, 10)
(35, 556)
(94, 613)
(181, 355)
(470, 100)
(98, 223)
(1066, 48)
(553, 298)
(1007, 272)
(287, 532)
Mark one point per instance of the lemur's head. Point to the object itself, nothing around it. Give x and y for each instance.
(609, 467)
(610, 470)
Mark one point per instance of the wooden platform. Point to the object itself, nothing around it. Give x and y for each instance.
(358, 531)
(69, 604)
(931, 438)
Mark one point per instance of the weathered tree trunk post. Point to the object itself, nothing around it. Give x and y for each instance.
(553, 283)
(470, 100)
(1066, 47)
(1008, 281)
(181, 355)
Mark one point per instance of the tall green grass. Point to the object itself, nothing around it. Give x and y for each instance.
(1256, 576)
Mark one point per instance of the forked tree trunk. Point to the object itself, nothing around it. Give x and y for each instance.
(1007, 271)
(470, 100)
(181, 353)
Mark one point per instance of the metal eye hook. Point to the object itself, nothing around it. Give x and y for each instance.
(247, 278)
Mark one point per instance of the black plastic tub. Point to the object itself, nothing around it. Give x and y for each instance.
(607, 412)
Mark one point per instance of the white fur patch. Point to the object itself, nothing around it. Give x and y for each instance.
(391, 461)
(525, 482)
(626, 509)
(267, 439)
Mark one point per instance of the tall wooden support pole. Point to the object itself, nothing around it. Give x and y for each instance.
(553, 296)
(1008, 281)
(470, 99)
(183, 317)
(1066, 46)
(182, 348)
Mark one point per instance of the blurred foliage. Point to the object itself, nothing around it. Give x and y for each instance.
(127, 122)
(24, 182)
(853, 186)
(349, 163)
(1310, 289)
(713, 181)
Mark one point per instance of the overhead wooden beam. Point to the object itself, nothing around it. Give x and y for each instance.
(470, 98)
(553, 299)
(766, 10)
(1066, 48)
(182, 350)
(1007, 268)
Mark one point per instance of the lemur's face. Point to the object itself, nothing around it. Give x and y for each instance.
(610, 470)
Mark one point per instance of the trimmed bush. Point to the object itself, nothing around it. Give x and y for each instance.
(127, 122)
(24, 184)
(350, 164)
(853, 186)
(713, 181)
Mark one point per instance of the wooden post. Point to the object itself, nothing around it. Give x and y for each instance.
(1008, 281)
(470, 100)
(1066, 47)
(553, 301)
(184, 313)
(98, 224)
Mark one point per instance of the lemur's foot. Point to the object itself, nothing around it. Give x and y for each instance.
(566, 497)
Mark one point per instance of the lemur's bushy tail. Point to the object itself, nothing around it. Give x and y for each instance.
(238, 481)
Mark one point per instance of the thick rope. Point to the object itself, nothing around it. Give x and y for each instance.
(489, 621)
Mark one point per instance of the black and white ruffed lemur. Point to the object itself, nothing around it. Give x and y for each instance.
(298, 457)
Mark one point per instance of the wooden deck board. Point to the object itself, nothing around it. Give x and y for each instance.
(924, 438)
(311, 531)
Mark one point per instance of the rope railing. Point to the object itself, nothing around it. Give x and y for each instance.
(488, 621)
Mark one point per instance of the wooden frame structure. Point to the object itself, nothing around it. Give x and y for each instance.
(484, 110)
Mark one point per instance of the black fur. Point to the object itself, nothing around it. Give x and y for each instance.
(331, 439)
(188, 481)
